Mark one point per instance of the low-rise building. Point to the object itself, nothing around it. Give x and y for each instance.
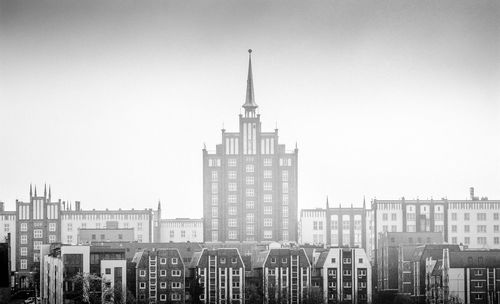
(345, 275)
(285, 274)
(469, 276)
(58, 272)
(114, 281)
(221, 275)
(391, 246)
(96, 235)
(160, 276)
(8, 226)
(181, 230)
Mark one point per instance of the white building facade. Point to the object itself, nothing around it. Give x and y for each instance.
(181, 230)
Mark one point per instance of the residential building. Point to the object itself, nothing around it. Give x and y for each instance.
(415, 286)
(74, 219)
(37, 222)
(181, 230)
(58, 271)
(5, 270)
(114, 281)
(221, 274)
(345, 275)
(250, 183)
(475, 223)
(285, 274)
(160, 276)
(97, 235)
(469, 276)
(391, 246)
(8, 226)
(336, 227)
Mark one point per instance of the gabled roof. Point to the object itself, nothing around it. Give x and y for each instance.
(475, 259)
(322, 259)
(196, 258)
(137, 257)
(432, 250)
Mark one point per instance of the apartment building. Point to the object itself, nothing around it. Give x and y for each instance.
(336, 226)
(221, 274)
(99, 235)
(181, 230)
(8, 226)
(285, 274)
(250, 183)
(345, 275)
(391, 246)
(160, 276)
(469, 276)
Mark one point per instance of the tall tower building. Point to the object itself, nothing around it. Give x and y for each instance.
(250, 182)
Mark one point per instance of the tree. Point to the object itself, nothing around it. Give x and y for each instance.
(87, 288)
(253, 294)
(313, 297)
(195, 290)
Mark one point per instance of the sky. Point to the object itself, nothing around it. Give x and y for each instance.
(110, 102)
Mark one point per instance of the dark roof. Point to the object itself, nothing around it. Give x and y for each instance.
(322, 259)
(475, 259)
(438, 267)
(432, 250)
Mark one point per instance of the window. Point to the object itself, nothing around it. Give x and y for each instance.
(183, 233)
(284, 187)
(176, 285)
(284, 175)
(481, 228)
(268, 210)
(236, 296)
(478, 272)
(268, 234)
(231, 186)
(362, 284)
(496, 228)
(37, 245)
(454, 240)
(142, 285)
(52, 227)
(394, 228)
(70, 227)
(466, 228)
(231, 174)
(233, 235)
(268, 174)
(163, 285)
(453, 228)
(142, 273)
(268, 162)
(496, 240)
(236, 272)
(347, 260)
(215, 224)
(360, 261)
(481, 216)
(347, 272)
(52, 238)
(385, 217)
(454, 216)
(496, 216)
(481, 240)
(232, 222)
(175, 296)
(215, 176)
(176, 273)
(231, 162)
(236, 284)
(172, 233)
(249, 168)
(108, 271)
(215, 236)
(175, 261)
(393, 217)
(466, 216)
(163, 261)
(268, 198)
(268, 222)
(249, 230)
(467, 240)
(24, 264)
(250, 204)
(268, 186)
(249, 180)
(284, 260)
(285, 199)
(24, 227)
(24, 251)
(139, 226)
(333, 260)
(250, 192)
(38, 233)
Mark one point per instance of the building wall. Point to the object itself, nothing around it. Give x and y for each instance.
(114, 272)
(475, 224)
(312, 226)
(140, 220)
(87, 236)
(181, 230)
(8, 225)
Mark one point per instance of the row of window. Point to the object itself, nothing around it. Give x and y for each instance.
(183, 233)
(479, 228)
(232, 162)
(481, 240)
(163, 273)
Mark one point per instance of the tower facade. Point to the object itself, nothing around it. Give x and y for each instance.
(250, 183)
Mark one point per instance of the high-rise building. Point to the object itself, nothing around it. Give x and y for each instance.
(250, 183)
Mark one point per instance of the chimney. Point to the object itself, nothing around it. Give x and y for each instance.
(77, 205)
(471, 193)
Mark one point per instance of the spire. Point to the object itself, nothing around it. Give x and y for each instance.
(50, 194)
(159, 205)
(327, 204)
(45, 190)
(250, 104)
(35, 190)
(31, 191)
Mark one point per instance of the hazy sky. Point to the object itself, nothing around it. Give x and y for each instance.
(111, 101)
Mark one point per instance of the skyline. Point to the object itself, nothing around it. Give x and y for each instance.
(96, 104)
